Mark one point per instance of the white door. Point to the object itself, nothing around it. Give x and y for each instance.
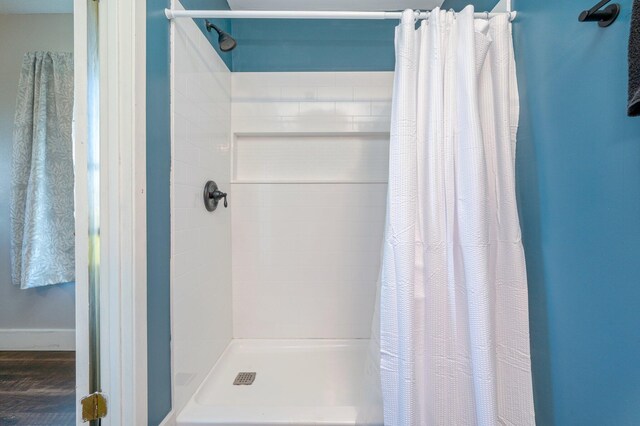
(109, 143)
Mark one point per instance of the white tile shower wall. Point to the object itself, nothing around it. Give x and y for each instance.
(201, 241)
(308, 102)
(306, 255)
(305, 259)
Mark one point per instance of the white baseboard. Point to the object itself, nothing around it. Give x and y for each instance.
(37, 340)
(170, 420)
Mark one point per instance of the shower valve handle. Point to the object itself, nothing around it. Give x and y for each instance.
(217, 195)
(212, 195)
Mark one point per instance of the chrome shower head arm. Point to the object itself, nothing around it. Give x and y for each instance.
(210, 26)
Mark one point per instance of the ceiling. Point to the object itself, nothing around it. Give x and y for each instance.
(35, 6)
(356, 5)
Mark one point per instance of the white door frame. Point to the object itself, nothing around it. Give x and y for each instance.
(123, 301)
(80, 136)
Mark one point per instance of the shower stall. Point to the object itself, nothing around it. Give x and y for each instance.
(277, 272)
(282, 283)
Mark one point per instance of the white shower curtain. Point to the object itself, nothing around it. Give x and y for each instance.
(454, 335)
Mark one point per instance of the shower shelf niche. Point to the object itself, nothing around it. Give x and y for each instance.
(310, 158)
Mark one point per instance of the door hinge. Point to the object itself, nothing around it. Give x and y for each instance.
(94, 407)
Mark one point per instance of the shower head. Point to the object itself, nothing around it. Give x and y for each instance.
(225, 41)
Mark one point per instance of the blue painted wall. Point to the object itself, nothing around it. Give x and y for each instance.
(223, 24)
(158, 212)
(578, 166)
(311, 45)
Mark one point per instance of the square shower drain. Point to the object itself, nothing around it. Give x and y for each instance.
(245, 378)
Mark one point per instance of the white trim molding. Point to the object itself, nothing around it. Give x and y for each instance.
(81, 202)
(123, 211)
(37, 340)
(123, 279)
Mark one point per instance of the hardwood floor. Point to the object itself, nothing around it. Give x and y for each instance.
(37, 388)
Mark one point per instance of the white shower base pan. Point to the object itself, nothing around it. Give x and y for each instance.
(298, 382)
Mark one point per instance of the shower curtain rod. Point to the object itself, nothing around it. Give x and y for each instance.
(306, 14)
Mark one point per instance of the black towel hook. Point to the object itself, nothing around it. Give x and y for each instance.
(604, 17)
